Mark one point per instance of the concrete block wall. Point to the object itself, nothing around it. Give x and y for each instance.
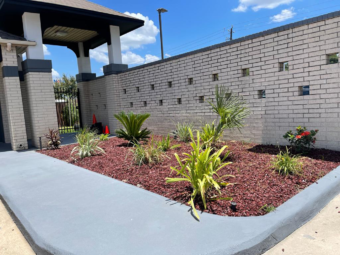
(41, 105)
(304, 46)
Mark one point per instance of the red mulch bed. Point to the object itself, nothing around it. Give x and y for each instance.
(255, 182)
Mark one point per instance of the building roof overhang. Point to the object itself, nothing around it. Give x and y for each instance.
(91, 26)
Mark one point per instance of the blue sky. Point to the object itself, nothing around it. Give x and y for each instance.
(190, 25)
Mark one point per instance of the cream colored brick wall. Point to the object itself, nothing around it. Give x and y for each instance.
(41, 105)
(4, 110)
(305, 48)
(24, 94)
(13, 101)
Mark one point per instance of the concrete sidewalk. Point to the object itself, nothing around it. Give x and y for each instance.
(320, 236)
(65, 209)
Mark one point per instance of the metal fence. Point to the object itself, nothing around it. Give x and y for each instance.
(68, 110)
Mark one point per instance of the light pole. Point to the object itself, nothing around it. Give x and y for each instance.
(160, 11)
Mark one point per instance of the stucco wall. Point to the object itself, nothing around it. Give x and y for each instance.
(304, 47)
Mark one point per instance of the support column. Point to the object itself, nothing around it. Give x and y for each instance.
(13, 99)
(32, 32)
(39, 83)
(115, 53)
(84, 65)
(7, 134)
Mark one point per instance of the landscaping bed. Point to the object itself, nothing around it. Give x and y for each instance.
(255, 182)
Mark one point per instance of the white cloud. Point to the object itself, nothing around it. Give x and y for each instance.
(100, 54)
(55, 74)
(167, 55)
(150, 58)
(260, 4)
(46, 52)
(131, 58)
(141, 36)
(284, 15)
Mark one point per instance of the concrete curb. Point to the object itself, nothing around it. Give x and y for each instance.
(65, 209)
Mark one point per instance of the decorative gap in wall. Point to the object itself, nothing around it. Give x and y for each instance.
(124, 91)
(160, 102)
(245, 72)
(284, 66)
(104, 106)
(169, 84)
(99, 94)
(97, 107)
(303, 90)
(145, 103)
(201, 99)
(137, 89)
(215, 77)
(333, 58)
(190, 81)
(152, 86)
(179, 100)
(131, 104)
(261, 94)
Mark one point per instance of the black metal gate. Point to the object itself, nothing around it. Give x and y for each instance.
(68, 110)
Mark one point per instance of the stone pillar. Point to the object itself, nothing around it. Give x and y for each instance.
(113, 90)
(41, 100)
(13, 99)
(7, 134)
(115, 53)
(85, 103)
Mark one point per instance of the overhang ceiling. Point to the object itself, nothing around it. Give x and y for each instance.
(71, 34)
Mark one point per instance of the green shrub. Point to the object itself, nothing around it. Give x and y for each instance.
(53, 137)
(211, 134)
(165, 144)
(286, 164)
(87, 144)
(132, 127)
(200, 168)
(302, 140)
(104, 137)
(182, 132)
(147, 154)
(268, 208)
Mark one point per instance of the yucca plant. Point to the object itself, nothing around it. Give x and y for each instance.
(165, 144)
(87, 144)
(231, 109)
(182, 131)
(285, 164)
(147, 154)
(132, 127)
(200, 168)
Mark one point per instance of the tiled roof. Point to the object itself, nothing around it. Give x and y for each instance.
(8, 36)
(85, 5)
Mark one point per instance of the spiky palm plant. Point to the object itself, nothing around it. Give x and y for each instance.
(132, 127)
(231, 108)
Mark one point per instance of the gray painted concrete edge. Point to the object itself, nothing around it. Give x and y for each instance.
(70, 210)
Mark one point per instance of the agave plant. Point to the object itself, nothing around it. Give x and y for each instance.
(200, 168)
(132, 127)
(87, 144)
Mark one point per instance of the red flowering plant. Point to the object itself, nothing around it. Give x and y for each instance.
(302, 140)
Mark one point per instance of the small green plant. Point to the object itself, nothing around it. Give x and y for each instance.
(211, 134)
(147, 154)
(165, 144)
(87, 144)
(53, 139)
(302, 140)
(268, 208)
(104, 137)
(285, 164)
(182, 132)
(132, 127)
(200, 168)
